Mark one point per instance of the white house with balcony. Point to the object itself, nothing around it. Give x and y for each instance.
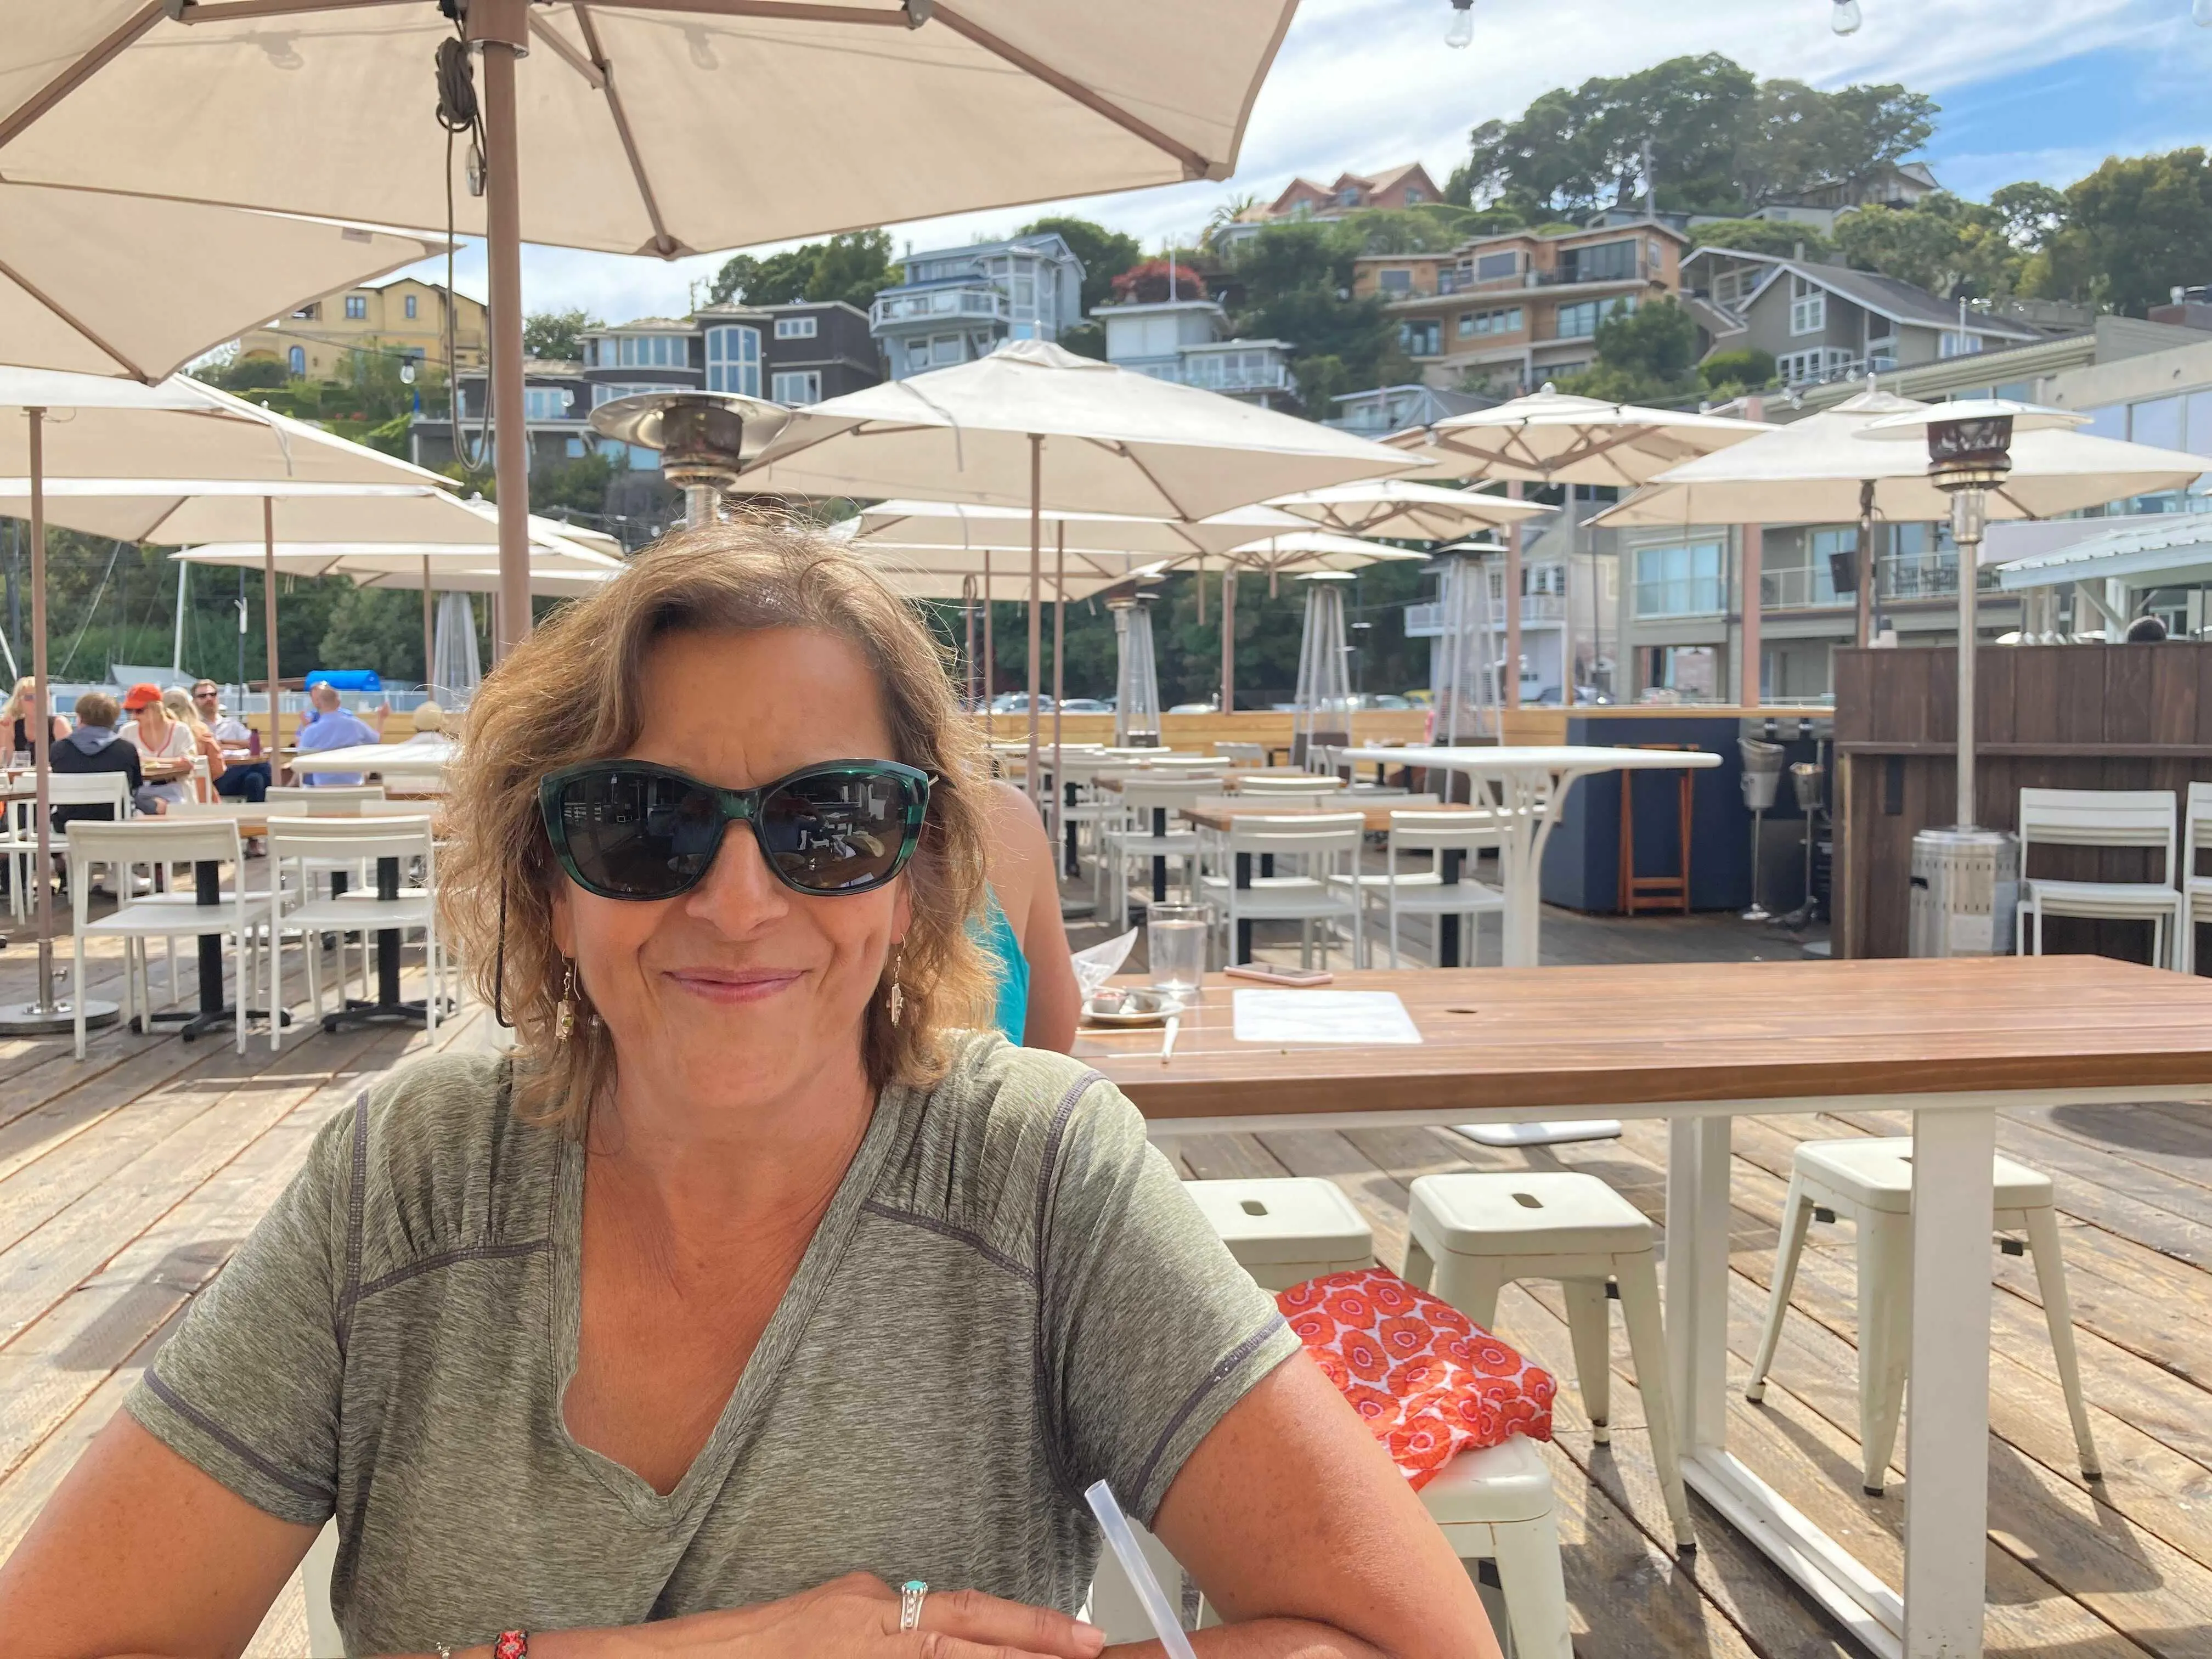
(955, 305)
(1190, 341)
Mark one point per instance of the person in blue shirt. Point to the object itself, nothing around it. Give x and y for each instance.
(330, 726)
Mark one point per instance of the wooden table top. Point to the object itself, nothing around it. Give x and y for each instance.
(1602, 1041)
(1211, 815)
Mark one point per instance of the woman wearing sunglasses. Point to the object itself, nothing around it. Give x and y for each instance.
(761, 1277)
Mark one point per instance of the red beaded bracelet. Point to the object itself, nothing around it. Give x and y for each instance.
(512, 1645)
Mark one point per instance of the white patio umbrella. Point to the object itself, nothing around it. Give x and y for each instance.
(630, 114)
(1032, 426)
(1551, 437)
(1409, 511)
(74, 271)
(1292, 553)
(958, 523)
(76, 426)
(1817, 471)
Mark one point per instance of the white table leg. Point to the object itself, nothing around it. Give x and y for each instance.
(1697, 1280)
(1948, 1421)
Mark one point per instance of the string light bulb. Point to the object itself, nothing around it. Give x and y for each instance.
(1460, 34)
(1844, 18)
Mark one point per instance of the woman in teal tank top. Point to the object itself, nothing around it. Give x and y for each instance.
(996, 935)
(1021, 929)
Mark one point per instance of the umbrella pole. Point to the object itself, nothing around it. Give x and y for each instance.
(501, 28)
(1865, 595)
(1037, 599)
(1513, 674)
(269, 627)
(990, 667)
(44, 1011)
(1229, 638)
(430, 631)
(1059, 664)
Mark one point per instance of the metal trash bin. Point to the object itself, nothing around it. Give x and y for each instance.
(1965, 883)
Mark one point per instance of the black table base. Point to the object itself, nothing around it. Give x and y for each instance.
(388, 1009)
(213, 1012)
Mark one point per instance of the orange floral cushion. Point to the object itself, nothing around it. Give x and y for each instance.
(1429, 1381)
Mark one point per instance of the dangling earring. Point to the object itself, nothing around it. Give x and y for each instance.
(564, 1016)
(896, 999)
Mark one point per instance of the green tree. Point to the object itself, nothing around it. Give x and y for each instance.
(1298, 287)
(1799, 136)
(850, 267)
(376, 628)
(1645, 356)
(248, 374)
(2136, 229)
(2032, 214)
(778, 280)
(1729, 374)
(1952, 248)
(1781, 239)
(577, 486)
(1105, 254)
(557, 335)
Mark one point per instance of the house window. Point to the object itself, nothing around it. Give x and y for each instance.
(309, 314)
(356, 307)
(796, 386)
(1025, 292)
(655, 351)
(1810, 367)
(1495, 267)
(795, 328)
(1809, 306)
(1580, 319)
(733, 360)
(1422, 339)
(917, 357)
(607, 394)
(1348, 197)
(545, 402)
(1955, 345)
(1686, 580)
(944, 348)
(1607, 262)
(1480, 322)
(1395, 281)
(295, 359)
(1414, 196)
(410, 305)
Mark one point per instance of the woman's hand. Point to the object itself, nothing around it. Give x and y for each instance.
(855, 1617)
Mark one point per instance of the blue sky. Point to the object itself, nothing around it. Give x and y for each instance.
(2030, 89)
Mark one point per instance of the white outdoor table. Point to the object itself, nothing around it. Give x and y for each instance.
(424, 754)
(1533, 783)
(1700, 1044)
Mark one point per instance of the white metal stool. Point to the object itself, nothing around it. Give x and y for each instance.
(1869, 1180)
(1285, 1230)
(1493, 1505)
(1472, 1235)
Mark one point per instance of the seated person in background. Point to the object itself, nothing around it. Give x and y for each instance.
(20, 726)
(244, 774)
(94, 746)
(758, 1277)
(331, 727)
(1021, 930)
(178, 703)
(166, 747)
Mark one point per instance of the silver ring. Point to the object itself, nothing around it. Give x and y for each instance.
(912, 1594)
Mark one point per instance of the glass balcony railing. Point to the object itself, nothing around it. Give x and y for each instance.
(1801, 587)
(1925, 576)
(981, 301)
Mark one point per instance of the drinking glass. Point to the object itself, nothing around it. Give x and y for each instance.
(1175, 941)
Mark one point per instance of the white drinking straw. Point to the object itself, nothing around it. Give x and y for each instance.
(1126, 1551)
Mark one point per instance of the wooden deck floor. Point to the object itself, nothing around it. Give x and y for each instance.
(126, 1180)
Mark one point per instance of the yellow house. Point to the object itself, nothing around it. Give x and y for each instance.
(402, 315)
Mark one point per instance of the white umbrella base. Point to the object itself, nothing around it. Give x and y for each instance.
(39, 1019)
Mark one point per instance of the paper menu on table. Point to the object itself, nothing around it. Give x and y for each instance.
(1284, 1017)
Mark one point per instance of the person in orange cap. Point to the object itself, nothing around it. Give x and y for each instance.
(165, 745)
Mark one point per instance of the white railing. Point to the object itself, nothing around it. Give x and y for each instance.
(980, 301)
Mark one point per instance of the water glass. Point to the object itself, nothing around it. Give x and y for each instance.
(1174, 942)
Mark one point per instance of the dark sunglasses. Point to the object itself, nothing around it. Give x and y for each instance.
(626, 829)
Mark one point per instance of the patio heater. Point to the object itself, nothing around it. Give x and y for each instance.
(1136, 679)
(1469, 667)
(1965, 878)
(1324, 695)
(703, 438)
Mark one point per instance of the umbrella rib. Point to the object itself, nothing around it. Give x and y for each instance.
(1115, 445)
(1194, 165)
(63, 312)
(663, 243)
(81, 71)
(794, 13)
(551, 38)
(223, 11)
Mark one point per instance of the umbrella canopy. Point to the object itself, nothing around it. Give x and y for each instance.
(1810, 473)
(954, 524)
(557, 566)
(1301, 552)
(69, 300)
(1412, 512)
(1110, 441)
(1551, 437)
(936, 573)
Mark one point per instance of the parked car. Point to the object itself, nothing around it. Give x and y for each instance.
(1196, 708)
(1085, 706)
(1018, 703)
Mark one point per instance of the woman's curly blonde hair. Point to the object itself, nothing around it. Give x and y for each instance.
(571, 694)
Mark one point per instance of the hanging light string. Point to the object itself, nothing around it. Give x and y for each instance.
(458, 113)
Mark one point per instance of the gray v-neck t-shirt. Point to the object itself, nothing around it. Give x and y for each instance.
(1009, 1297)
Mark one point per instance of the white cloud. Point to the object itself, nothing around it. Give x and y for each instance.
(1365, 84)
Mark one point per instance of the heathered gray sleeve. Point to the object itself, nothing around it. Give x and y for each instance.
(1149, 1330)
(247, 1389)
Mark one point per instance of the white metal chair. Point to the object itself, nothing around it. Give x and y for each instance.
(349, 842)
(1150, 829)
(2101, 818)
(1493, 1505)
(1243, 754)
(1288, 783)
(1326, 844)
(1452, 840)
(1868, 1180)
(293, 800)
(2196, 890)
(155, 842)
(1469, 1236)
